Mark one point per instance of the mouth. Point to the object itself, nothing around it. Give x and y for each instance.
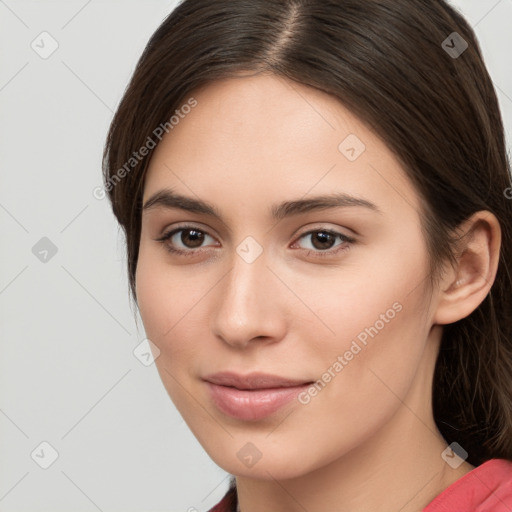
(254, 381)
(254, 396)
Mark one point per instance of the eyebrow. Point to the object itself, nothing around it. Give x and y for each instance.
(167, 199)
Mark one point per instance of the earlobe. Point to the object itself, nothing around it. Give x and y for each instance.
(470, 282)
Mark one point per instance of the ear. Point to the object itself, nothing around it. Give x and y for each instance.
(465, 287)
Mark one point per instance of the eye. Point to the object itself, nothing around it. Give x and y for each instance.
(188, 240)
(321, 241)
(184, 240)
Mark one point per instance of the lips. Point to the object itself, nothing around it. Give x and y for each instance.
(254, 380)
(254, 396)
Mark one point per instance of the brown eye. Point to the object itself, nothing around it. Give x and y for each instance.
(322, 240)
(192, 238)
(186, 240)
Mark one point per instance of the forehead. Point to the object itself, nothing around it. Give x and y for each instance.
(267, 137)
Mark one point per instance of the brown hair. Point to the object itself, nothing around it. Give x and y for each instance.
(438, 112)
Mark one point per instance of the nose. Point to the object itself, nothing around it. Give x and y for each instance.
(250, 304)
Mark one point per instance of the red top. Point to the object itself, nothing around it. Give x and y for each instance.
(487, 488)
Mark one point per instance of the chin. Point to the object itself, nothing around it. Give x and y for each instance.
(245, 456)
(267, 469)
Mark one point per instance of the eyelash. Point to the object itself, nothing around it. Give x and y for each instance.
(310, 252)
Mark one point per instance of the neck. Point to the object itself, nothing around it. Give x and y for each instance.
(403, 474)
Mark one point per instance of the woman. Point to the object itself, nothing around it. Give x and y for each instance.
(319, 238)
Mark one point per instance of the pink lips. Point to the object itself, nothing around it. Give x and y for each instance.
(253, 396)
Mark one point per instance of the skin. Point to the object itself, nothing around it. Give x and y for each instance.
(367, 440)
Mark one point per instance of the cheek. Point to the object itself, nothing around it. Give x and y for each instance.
(169, 299)
(379, 358)
(162, 291)
(386, 341)
(379, 292)
(166, 303)
(379, 328)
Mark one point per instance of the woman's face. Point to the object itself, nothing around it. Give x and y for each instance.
(275, 280)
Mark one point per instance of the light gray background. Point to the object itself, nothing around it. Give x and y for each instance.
(68, 375)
